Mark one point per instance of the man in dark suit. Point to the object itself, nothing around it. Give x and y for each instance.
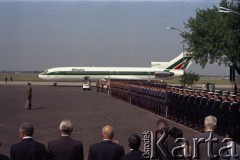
(29, 97)
(65, 148)
(27, 148)
(3, 157)
(209, 143)
(107, 149)
(134, 142)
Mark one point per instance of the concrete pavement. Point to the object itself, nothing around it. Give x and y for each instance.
(88, 110)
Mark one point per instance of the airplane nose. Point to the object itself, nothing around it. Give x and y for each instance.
(40, 75)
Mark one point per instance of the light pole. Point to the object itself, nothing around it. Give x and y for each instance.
(179, 30)
(232, 70)
(170, 27)
(227, 10)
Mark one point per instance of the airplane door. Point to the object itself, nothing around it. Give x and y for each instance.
(57, 76)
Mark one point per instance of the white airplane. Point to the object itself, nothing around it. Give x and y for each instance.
(157, 70)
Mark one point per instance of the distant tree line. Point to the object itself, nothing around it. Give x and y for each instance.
(3, 71)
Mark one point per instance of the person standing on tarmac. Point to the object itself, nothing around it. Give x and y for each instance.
(29, 96)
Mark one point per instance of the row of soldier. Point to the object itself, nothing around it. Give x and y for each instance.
(188, 107)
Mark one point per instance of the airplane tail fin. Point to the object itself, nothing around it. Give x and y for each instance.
(181, 62)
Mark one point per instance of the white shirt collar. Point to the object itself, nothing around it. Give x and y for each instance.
(65, 135)
(27, 137)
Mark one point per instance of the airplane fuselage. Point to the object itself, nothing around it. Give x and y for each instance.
(158, 70)
(96, 73)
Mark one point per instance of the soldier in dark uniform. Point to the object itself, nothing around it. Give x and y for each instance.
(160, 102)
(154, 98)
(234, 103)
(209, 107)
(234, 112)
(191, 107)
(169, 103)
(179, 106)
(171, 95)
(175, 103)
(184, 107)
(196, 110)
(220, 92)
(238, 97)
(147, 98)
(216, 105)
(224, 112)
(216, 111)
(202, 107)
(164, 102)
(151, 97)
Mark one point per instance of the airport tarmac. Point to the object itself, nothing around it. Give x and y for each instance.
(217, 86)
(88, 110)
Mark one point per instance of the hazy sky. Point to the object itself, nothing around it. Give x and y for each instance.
(36, 35)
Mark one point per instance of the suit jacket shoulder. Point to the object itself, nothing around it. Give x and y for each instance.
(105, 150)
(27, 149)
(134, 155)
(65, 148)
(203, 139)
(2, 157)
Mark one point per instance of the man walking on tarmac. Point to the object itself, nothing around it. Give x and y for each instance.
(29, 97)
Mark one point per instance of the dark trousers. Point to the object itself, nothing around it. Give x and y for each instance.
(30, 102)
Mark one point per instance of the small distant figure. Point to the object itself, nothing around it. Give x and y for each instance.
(3, 157)
(107, 149)
(6, 79)
(27, 148)
(11, 79)
(29, 97)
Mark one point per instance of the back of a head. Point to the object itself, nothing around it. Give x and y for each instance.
(108, 132)
(134, 141)
(66, 127)
(162, 126)
(233, 134)
(26, 128)
(210, 122)
(176, 133)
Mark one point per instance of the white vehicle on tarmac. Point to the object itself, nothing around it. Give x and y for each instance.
(86, 86)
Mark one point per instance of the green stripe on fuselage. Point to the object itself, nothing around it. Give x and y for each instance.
(98, 73)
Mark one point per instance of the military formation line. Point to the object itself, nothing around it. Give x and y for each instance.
(185, 106)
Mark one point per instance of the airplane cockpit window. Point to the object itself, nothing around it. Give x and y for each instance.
(45, 72)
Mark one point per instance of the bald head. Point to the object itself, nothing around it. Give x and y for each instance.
(107, 132)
